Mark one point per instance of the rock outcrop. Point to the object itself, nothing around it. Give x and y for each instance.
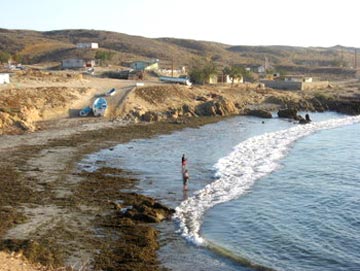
(289, 113)
(136, 241)
(305, 120)
(147, 210)
(259, 113)
(345, 107)
(219, 106)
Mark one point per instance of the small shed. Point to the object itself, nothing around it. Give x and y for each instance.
(87, 45)
(145, 65)
(4, 78)
(226, 79)
(261, 69)
(212, 79)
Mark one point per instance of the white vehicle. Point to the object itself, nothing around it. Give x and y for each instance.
(99, 107)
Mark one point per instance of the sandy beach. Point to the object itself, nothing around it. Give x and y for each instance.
(56, 215)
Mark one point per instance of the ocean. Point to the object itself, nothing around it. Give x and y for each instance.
(263, 194)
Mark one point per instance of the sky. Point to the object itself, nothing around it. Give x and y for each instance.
(234, 22)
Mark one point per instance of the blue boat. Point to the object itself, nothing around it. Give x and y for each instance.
(85, 111)
(111, 92)
(99, 107)
(176, 80)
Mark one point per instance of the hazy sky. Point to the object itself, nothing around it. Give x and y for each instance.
(234, 22)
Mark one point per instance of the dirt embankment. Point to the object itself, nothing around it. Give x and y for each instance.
(37, 96)
(20, 109)
(178, 103)
(16, 262)
(39, 100)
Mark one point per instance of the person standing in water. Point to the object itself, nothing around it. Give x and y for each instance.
(185, 179)
(183, 161)
(185, 172)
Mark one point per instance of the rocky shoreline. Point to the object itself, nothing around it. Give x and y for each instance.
(255, 102)
(87, 219)
(57, 215)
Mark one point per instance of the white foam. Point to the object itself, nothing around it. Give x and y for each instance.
(236, 173)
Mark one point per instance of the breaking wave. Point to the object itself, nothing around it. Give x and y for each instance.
(249, 161)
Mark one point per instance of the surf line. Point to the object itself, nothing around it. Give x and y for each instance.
(236, 258)
(249, 161)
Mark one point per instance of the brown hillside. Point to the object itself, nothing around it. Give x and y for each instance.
(37, 47)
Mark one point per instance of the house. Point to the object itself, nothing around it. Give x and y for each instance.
(226, 79)
(169, 71)
(213, 79)
(261, 69)
(145, 65)
(90, 63)
(256, 68)
(222, 79)
(87, 45)
(4, 78)
(72, 63)
(75, 63)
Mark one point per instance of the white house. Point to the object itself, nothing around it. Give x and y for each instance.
(226, 79)
(77, 63)
(4, 78)
(257, 69)
(87, 45)
(72, 63)
(261, 69)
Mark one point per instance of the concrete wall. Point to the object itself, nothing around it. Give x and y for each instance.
(286, 85)
(291, 85)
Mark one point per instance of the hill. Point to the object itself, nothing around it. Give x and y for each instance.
(37, 47)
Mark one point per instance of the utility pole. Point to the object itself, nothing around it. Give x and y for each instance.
(172, 67)
(342, 56)
(355, 64)
(266, 64)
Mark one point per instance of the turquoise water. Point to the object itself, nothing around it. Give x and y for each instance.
(272, 195)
